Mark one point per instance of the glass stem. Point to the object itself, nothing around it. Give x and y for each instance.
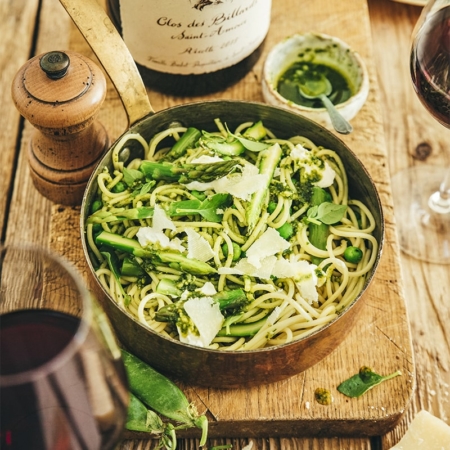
(440, 201)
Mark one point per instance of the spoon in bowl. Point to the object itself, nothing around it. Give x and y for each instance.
(320, 88)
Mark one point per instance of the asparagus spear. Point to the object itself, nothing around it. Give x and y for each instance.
(188, 172)
(102, 216)
(318, 232)
(187, 141)
(267, 162)
(127, 245)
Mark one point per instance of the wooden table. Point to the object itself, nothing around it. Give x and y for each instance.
(392, 120)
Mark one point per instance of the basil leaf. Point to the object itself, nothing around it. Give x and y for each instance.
(253, 146)
(330, 213)
(113, 264)
(184, 208)
(146, 187)
(131, 175)
(207, 208)
(312, 212)
(360, 383)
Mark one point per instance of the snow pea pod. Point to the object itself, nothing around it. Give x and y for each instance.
(161, 394)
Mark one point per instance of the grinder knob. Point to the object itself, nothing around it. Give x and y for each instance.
(60, 93)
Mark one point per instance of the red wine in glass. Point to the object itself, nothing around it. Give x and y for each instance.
(430, 65)
(63, 385)
(422, 192)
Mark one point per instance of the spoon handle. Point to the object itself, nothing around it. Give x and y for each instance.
(339, 123)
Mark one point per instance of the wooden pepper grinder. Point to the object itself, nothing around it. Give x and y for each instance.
(60, 93)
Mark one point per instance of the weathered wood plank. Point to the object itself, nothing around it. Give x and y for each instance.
(17, 25)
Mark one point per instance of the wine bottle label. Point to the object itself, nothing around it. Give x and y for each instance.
(193, 36)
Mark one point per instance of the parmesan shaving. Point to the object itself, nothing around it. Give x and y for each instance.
(240, 185)
(268, 244)
(198, 246)
(305, 159)
(148, 235)
(206, 316)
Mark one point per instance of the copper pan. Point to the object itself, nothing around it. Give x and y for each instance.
(191, 364)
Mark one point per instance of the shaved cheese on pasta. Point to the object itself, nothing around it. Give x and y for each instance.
(148, 235)
(161, 221)
(155, 235)
(268, 244)
(240, 185)
(206, 316)
(305, 159)
(198, 246)
(303, 273)
(244, 267)
(328, 175)
(307, 285)
(207, 289)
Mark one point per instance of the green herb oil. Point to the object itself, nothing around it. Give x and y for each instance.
(300, 72)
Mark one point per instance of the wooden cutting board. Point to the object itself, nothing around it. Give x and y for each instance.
(381, 337)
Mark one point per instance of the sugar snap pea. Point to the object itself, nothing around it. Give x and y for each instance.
(162, 395)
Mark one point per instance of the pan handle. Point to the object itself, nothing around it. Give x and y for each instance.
(110, 49)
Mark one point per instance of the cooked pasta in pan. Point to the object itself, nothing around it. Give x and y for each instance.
(230, 240)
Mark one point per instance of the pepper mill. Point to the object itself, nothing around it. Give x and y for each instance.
(60, 93)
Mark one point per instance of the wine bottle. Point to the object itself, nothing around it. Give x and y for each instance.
(192, 47)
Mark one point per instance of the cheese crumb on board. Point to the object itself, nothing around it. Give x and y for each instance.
(425, 432)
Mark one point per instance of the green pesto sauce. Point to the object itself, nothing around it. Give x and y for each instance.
(323, 396)
(300, 71)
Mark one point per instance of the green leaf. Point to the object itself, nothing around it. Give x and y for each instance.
(114, 264)
(253, 146)
(312, 212)
(329, 213)
(207, 209)
(131, 175)
(146, 187)
(360, 383)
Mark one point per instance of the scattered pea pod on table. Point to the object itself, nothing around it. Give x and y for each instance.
(151, 393)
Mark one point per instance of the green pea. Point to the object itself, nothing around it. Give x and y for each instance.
(237, 252)
(271, 207)
(286, 230)
(353, 254)
(119, 187)
(96, 205)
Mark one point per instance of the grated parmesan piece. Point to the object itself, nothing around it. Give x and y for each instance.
(160, 220)
(206, 316)
(268, 244)
(148, 235)
(303, 273)
(198, 246)
(240, 185)
(207, 289)
(304, 159)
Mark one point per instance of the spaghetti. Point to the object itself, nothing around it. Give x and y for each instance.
(248, 230)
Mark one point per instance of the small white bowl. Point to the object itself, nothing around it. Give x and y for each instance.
(320, 49)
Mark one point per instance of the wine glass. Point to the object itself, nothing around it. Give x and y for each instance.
(422, 193)
(62, 381)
